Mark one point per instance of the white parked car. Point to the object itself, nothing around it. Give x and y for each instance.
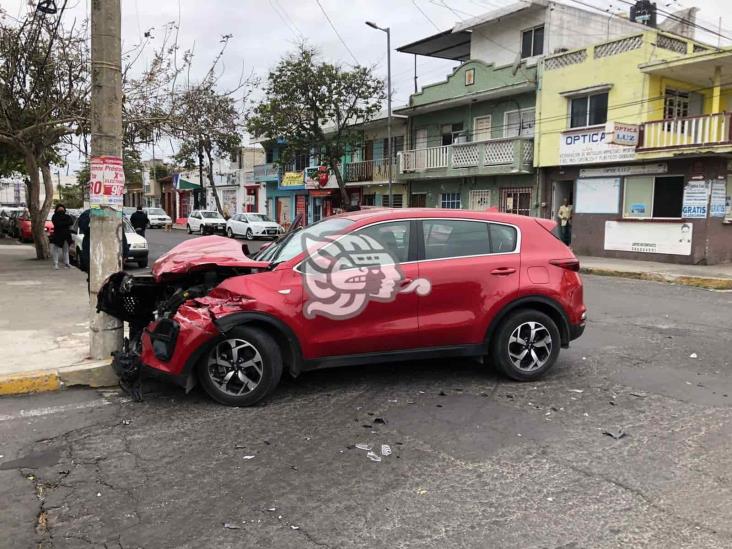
(253, 225)
(205, 221)
(157, 217)
(137, 252)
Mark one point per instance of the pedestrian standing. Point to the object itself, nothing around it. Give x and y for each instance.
(565, 221)
(139, 221)
(61, 237)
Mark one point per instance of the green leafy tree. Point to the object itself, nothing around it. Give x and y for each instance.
(314, 106)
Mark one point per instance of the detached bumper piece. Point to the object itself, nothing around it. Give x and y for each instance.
(128, 367)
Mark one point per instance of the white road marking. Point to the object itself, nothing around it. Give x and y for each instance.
(35, 412)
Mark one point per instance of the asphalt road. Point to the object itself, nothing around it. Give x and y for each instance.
(477, 460)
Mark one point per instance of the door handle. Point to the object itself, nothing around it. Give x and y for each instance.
(503, 271)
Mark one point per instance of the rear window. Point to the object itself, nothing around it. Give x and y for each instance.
(503, 238)
(450, 238)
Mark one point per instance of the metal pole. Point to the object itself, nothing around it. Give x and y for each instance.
(388, 122)
(415, 73)
(105, 255)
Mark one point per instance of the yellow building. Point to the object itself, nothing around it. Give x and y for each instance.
(636, 133)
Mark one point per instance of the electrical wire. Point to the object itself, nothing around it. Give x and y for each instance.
(335, 30)
(425, 15)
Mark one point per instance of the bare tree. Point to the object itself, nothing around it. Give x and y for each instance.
(44, 94)
(315, 106)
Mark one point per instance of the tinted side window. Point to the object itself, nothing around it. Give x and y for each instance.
(452, 238)
(503, 238)
(393, 236)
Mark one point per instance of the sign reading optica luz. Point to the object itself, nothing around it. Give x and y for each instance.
(106, 181)
(591, 146)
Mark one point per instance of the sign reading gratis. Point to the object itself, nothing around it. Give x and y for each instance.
(591, 146)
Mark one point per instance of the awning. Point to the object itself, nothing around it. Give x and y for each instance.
(183, 184)
(444, 45)
(694, 69)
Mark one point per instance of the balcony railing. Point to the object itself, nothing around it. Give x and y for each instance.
(369, 170)
(511, 151)
(266, 172)
(710, 129)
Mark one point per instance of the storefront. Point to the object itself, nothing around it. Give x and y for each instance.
(675, 211)
(287, 198)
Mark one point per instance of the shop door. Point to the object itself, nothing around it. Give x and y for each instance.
(560, 191)
(418, 200)
(479, 200)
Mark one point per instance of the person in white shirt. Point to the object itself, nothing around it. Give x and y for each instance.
(565, 221)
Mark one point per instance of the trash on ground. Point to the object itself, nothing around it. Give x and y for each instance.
(240, 446)
(373, 457)
(363, 446)
(272, 509)
(576, 390)
(231, 526)
(442, 393)
(294, 527)
(421, 491)
(385, 450)
(617, 434)
(380, 420)
(639, 394)
(126, 422)
(693, 355)
(248, 457)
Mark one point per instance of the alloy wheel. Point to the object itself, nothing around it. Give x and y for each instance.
(250, 234)
(230, 233)
(235, 366)
(530, 346)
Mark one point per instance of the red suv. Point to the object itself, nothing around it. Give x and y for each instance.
(370, 286)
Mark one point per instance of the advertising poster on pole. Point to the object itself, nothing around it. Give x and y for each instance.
(718, 205)
(106, 182)
(695, 200)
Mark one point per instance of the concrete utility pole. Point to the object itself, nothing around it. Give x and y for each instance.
(105, 255)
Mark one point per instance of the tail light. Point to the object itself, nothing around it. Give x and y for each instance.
(569, 264)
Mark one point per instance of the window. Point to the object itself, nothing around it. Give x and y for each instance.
(398, 201)
(269, 156)
(676, 104)
(393, 236)
(368, 200)
(451, 238)
(450, 200)
(516, 200)
(452, 133)
(648, 196)
(418, 200)
(588, 110)
(517, 123)
(398, 145)
(503, 238)
(532, 42)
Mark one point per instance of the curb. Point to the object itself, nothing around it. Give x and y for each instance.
(88, 374)
(708, 283)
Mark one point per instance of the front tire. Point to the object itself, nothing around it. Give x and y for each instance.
(250, 234)
(201, 230)
(242, 368)
(188, 228)
(526, 345)
(229, 232)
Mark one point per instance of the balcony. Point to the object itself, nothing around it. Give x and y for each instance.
(492, 157)
(369, 170)
(266, 172)
(692, 131)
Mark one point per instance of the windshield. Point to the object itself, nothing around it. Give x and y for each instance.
(210, 215)
(292, 245)
(128, 228)
(156, 211)
(259, 217)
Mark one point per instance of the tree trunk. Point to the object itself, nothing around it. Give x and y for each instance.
(211, 181)
(38, 211)
(341, 184)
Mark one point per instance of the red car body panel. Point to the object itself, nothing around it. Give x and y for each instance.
(200, 254)
(467, 293)
(25, 230)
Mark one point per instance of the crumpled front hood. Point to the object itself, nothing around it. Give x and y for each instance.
(201, 253)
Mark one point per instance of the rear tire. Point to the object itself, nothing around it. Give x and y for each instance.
(242, 368)
(229, 232)
(188, 228)
(201, 230)
(526, 345)
(142, 263)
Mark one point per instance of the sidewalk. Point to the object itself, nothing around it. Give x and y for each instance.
(714, 277)
(44, 325)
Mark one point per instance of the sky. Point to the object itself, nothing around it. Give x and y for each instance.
(264, 30)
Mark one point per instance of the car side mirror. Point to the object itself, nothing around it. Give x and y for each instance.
(245, 249)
